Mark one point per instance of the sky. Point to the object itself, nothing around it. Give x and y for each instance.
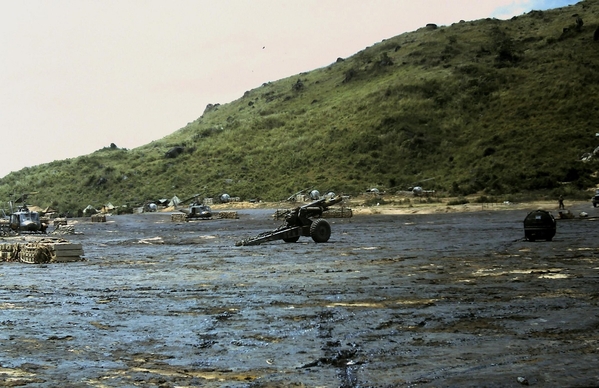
(79, 75)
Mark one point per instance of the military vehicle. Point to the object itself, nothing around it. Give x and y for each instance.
(22, 220)
(298, 222)
(197, 210)
(25, 220)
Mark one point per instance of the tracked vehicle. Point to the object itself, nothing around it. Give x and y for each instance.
(301, 221)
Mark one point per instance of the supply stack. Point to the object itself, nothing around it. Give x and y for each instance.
(46, 250)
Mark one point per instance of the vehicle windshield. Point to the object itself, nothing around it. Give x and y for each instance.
(29, 217)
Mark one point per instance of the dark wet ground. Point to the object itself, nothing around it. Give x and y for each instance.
(405, 300)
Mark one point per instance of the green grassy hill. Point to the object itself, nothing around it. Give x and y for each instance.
(490, 107)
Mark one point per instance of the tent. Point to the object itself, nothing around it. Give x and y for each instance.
(175, 201)
(89, 210)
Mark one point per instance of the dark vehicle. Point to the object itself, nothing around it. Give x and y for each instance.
(24, 220)
(596, 199)
(539, 225)
(298, 222)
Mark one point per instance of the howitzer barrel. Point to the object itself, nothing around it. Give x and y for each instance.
(278, 234)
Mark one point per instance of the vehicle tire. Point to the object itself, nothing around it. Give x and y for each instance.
(320, 230)
(291, 239)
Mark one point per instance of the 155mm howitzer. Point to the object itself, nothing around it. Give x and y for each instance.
(299, 222)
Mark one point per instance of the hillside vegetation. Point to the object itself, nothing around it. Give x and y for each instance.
(491, 107)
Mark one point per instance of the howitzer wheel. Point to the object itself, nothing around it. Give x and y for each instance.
(320, 230)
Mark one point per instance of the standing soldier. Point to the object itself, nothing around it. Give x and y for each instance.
(560, 201)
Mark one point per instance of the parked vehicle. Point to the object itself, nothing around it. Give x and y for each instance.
(25, 220)
(198, 211)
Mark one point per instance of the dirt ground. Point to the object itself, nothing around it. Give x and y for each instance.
(415, 296)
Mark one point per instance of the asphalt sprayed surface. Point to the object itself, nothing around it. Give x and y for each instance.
(404, 300)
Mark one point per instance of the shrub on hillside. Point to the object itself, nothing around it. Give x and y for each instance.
(458, 201)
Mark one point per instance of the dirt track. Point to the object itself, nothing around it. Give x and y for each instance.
(421, 300)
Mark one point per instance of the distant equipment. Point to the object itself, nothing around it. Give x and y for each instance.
(294, 197)
(420, 192)
(225, 198)
(314, 195)
(198, 212)
(595, 199)
(539, 225)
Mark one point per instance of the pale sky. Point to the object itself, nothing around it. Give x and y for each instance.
(78, 75)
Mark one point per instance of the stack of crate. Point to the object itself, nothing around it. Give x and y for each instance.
(338, 212)
(60, 221)
(4, 227)
(178, 217)
(227, 214)
(9, 252)
(50, 251)
(98, 217)
(65, 252)
(34, 253)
